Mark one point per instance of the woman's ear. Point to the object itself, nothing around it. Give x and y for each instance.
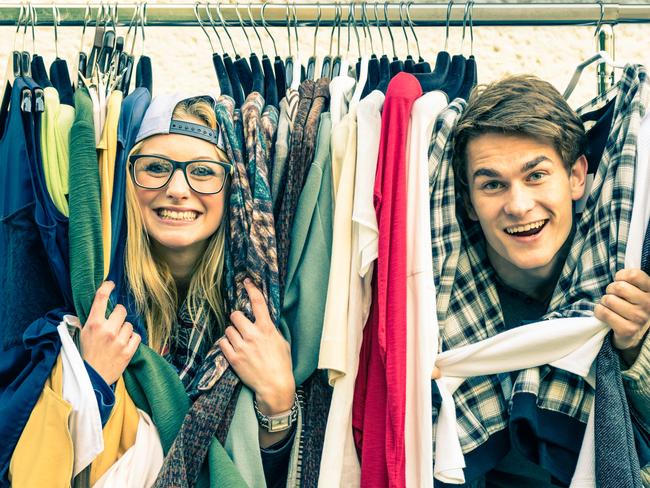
(578, 178)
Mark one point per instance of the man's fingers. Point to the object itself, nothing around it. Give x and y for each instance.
(98, 309)
(634, 277)
(258, 304)
(629, 311)
(627, 291)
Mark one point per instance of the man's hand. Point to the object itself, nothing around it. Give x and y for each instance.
(625, 307)
(108, 344)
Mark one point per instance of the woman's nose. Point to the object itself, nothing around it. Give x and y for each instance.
(177, 186)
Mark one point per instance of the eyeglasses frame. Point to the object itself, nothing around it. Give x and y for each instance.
(182, 165)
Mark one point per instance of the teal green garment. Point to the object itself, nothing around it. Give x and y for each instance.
(85, 229)
(155, 387)
(308, 267)
(301, 321)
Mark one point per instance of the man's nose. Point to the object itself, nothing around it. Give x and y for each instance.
(520, 201)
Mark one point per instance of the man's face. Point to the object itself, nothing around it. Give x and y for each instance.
(521, 194)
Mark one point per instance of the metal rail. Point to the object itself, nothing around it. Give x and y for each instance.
(422, 14)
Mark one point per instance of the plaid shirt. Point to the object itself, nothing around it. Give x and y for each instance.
(467, 301)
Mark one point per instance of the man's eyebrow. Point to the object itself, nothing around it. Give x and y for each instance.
(490, 173)
(531, 164)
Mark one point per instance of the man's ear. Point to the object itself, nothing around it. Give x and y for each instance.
(578, 178)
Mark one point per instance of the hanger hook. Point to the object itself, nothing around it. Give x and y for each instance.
(410, 21)
(214, 27)
(241, 24)
(602, 16)
(366, 29)
(449, 5)
(252, 20)
(336, 13)
(289, 26)
(143, 22)
(402, 4)
(198, 19)
(56, 18)
(21, 18)
(352, 17)
(318, 17)
(390, 33)
(33, 21)
(295, 24)
(471, 28)
(275, 50)
(224, 25)
(381, 36)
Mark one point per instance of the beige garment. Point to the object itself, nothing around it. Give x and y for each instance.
(339, 461)
(333, 349)
(106, 153)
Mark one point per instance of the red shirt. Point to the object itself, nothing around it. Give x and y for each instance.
(380, 390)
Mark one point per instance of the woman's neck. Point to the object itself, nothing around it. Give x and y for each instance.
(181, 265)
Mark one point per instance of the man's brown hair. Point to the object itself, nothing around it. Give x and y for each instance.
(518, 105)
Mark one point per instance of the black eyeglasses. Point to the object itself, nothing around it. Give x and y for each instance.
(204, 176)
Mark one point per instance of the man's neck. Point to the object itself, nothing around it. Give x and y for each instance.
(537, 283)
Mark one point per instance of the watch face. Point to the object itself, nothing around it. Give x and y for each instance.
(276, 425)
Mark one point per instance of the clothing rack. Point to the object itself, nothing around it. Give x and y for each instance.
(277, 14)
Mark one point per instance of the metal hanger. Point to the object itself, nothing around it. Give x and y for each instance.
(421, 66)
(336, 62)
(254, 25)
(241, 24)
(275, 50)
(470, 75)
(278, 63)
(311, 62)
(326, 69)
(214, 28)
(252, 72)
(601, 56)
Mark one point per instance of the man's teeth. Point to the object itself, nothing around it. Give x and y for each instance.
(525, 228)
(170, 214)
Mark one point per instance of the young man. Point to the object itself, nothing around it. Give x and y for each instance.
(519, 165)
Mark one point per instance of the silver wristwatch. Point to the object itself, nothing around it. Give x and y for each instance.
(280, 422)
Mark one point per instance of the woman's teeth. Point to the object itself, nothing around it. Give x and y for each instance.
(171, 214)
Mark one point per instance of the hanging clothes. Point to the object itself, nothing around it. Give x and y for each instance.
(288, 111)
(340, 463)
(86, 248)
(132, 112)
(314, 99)
(382, 369)
(421, 321)
(303, 307)
(55, 143)
(106, 153)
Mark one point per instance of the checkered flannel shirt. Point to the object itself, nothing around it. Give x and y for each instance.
(467, 301)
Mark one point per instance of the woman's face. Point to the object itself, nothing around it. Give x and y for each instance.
(177, 218)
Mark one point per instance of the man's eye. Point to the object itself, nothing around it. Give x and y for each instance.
(491, 185)
(537, 175)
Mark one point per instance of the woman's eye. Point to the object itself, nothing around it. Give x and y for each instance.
(157, 167)
(202, 171)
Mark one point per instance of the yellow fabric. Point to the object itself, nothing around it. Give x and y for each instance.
(44, 453)
(106, 153)
(119, 432)
(55, 141)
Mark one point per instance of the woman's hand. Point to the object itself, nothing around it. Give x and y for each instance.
(625, 307)
(108, 344)
(260, 356)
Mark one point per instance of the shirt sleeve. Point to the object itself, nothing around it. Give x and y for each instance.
(103, 393)
(275, 461)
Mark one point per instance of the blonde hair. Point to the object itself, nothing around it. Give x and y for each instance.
(150, 279)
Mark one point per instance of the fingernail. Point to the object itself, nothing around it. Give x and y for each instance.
(247, 281)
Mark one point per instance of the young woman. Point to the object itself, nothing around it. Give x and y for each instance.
(177, 194)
